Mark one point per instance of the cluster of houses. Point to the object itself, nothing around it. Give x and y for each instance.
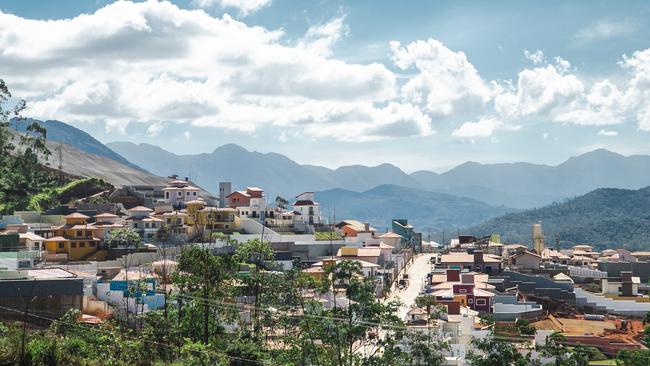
(90, 252)
(84, 256)
(511, 282)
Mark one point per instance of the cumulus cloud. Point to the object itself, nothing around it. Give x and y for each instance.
(245, 7)
(536, 57)
(484, 127)
(446, 82)
(153, 62)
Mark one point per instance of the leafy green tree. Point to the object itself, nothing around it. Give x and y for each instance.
(491, 352)
(628, 357)
(125, 236)
(281, 202)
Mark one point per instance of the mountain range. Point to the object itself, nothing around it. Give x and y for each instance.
(427, 211)
(606, 217)
(517, 185)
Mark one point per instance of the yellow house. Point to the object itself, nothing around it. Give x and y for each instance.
(212, 218)
(76, 238)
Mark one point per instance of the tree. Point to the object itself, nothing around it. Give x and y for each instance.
(281, 202)
(125, 236)
(628, 357)
(554, 347)
(491, 352)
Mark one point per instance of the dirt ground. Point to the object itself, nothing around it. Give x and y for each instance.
(576, 326)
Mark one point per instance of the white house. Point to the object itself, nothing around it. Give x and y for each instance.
(307, 210)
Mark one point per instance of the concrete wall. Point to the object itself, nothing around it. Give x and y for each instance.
(614, 269)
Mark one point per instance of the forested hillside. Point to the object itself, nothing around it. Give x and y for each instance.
(606, 217)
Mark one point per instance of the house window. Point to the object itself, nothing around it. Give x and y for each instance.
(167, 195)
(82, 244)
(92, 244)
(462, 291)
(135, 225)
(80, 233)
(480, 302)
(73, 245)
(193, 193)
(470, 301)
(179, 194)
(187, 193)
(61, 245)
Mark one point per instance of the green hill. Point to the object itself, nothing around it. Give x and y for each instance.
(606, 217)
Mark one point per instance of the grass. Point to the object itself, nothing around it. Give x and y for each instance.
(63, 194)
(327, 235)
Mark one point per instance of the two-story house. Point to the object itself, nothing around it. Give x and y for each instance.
(76, 238)
(178, 192)
(141, 220)
(307, 210)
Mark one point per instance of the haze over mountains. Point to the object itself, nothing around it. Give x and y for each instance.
(424, 209)
(517, 185)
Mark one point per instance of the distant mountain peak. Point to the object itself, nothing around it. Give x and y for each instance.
(231, 148)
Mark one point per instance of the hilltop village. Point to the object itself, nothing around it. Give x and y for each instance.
(116, 260)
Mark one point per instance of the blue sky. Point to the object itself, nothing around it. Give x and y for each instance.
(322, 83)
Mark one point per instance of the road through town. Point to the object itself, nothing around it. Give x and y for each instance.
(417, 272)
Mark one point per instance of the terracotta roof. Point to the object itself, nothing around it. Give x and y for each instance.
(56, 238)
(254, 189)
(243, 193)
(82, 227)
(362, 252)
(482, 293)
(526, 253)
(76, 215)
(106, 215)
(140, 209)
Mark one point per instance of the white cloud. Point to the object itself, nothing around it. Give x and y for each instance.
(446, 82)
(536, 57)
(187, 135)
(153, 62)
(154, 129)
(637, 95)
(320, 38)
(245, 7)
(606, 29)
(482, 128)
(607, 133)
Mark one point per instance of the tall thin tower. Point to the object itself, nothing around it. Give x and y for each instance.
(538, 239)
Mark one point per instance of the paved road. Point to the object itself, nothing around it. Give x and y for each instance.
(417, 273)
